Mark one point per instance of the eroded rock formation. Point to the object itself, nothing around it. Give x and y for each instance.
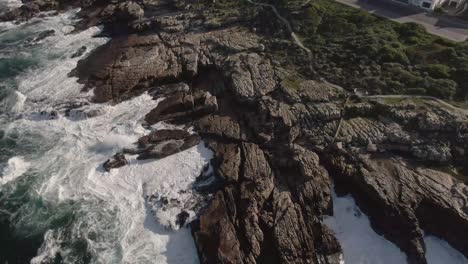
(278, 141)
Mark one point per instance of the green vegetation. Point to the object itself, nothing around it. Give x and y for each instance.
(356, 49)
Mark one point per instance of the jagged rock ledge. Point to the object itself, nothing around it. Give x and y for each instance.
(277, 141)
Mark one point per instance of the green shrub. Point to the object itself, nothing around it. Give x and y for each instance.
(356, 49)
(416, 91)
(438, 71)
(389, 54)
(442, 88)
(413, 33)
(461, 77)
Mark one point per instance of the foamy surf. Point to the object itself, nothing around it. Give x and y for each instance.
(362, 245)
(440, 252)
(14, 168)
(13, 103)
(105, 217)
(115, 220)
(9, 4)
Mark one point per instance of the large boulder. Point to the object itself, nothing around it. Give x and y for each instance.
(183, 106)
(167, 148)
(160, 135)
(117, 161)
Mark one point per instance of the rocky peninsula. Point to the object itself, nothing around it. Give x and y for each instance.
(280, 131)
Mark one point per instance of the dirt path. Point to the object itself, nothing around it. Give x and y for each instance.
(295, 38)
(424, 97)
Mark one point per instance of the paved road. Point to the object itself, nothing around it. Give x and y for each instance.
(454, 29)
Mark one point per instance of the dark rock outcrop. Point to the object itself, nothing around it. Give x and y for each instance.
(79, 52)
(158, 136)
(41, 36)
(404, 200)
(117, 161)
(167, 148)
(182, 106)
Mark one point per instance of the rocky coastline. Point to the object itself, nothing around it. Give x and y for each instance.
(279, 139)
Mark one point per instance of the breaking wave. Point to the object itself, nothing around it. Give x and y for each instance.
(54, 194)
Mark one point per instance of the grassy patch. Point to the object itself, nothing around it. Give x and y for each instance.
(393, 101)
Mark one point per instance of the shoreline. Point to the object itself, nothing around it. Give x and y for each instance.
(240, 104)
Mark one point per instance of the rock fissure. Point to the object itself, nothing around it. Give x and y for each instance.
(270, 133)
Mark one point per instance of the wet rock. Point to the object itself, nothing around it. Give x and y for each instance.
(172, 211)
(182, 218)
(79, 52)
(117, 161)
(41, 36)
(162, 135)
(169, 89)
(49, 114)
(169, 147)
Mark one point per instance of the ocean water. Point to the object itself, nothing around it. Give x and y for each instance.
(362, 245)
(57, 204)
(9, 4)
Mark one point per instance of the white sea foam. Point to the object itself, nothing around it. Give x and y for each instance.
(54, 85)
(48, 250)
(15, 167)
(130, 234)
(111, 213)
(361, 245)
(9, 4)
(13, 103)
(440, 252)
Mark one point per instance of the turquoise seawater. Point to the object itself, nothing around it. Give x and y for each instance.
(57, 204)
(25, 216)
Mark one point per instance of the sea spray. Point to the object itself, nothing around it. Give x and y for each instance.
(81, 213)
(362, 245)
(14, 168)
